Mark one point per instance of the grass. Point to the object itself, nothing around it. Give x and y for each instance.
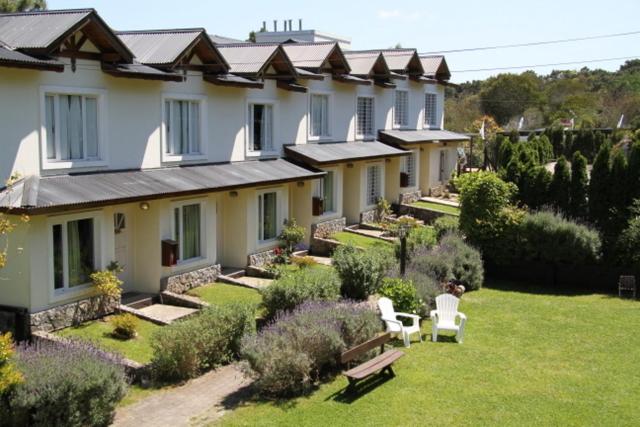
(529, 358)
(364, 242)
(99, 333)
(437, 207)
(222, 293)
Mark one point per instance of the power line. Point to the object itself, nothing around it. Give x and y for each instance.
(586, 61)
(539, 43)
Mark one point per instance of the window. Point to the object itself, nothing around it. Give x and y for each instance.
(319, 127)
(401, 109)
(267, 216)
(430, 113)
(374, 184)
(71, 127)
(408, 166)
(187, 230)
(182, 127)
(364, 116)
(74, 254)
(260, 127)
(326, 190)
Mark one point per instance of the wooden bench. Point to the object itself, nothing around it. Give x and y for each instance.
(378, 364)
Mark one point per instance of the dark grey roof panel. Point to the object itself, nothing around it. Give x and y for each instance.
(158, 47)
(137, 70)
(13, 58)
(37, 30)
(418, 136)
(43, 194)
(337, 152)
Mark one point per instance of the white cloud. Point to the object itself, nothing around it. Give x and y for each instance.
(398, 14)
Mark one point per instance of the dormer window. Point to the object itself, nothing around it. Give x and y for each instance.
(184, 128)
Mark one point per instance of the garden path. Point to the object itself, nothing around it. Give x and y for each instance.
(198, 402)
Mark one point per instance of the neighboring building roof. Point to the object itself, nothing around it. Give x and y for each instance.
(435, 66)
(401, 137)
(256, 59)
(224, 40)
(46, 194)
(339, 152)
(12, 58)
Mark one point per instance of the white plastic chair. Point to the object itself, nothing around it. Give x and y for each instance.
(395, 326)
(444, 317)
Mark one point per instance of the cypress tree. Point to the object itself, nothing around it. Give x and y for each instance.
(578, 188)
(620, 194)
(505, 153)
(568, 144)
(559, 188)
(633, 171)
(600, 186)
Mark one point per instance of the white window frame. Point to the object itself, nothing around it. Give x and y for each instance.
(337, 194)
(416, 168)
(372, 136)
(66, 290)
(330, 106)
(203, 233)
(365, 180)
(425, 118)
(101, 96)
(248, 127)
(202, 155)
(279, 216)
(404, 125)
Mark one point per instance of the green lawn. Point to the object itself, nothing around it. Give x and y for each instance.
(528, 359)
(451, 210)
(364, 242)
(223, 293)
(99, 333)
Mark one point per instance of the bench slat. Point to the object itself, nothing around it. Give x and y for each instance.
(374, 365)
(361, 349)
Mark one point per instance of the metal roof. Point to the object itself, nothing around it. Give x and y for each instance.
(10, 58)
(361, 63)
(418, 136)
(45, 194)
(435, 66)
(138, 70)
(308, 55)
(37, 30)
(247, 58)
(397, 59)
(159, 46)
(338, 152)
(224, 40)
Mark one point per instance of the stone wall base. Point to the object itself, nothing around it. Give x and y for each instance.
(410, 197)
(261, 259)
(72, 314)
(425, 215)
(183, 282)
(328, 228)
(368, 216)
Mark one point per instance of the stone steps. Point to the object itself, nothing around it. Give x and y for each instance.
(138, 300)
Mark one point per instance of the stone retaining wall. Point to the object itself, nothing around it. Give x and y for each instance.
(323, 247)
(368, 216)
(72, 314)
(411, 197)
(261, 258)
(426, 215)
(183, 282)
(327, 228)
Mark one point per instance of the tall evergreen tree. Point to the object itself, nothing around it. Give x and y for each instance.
(578, 188)
(634, 170)
(568, 144)
(620, 194)
(559, 188)
(600, 186)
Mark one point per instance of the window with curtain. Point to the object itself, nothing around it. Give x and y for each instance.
(73, 253)
(261, 127)
(374, 191)
(187, 230)
(71, 127)
(408, 166)
(267, 216)
(364, 117)
(430, 110)
(182, 127)
(319, 116)
(401, 109)
(325, 189)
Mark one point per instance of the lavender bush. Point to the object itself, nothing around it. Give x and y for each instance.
(289, 355)
(70, 384)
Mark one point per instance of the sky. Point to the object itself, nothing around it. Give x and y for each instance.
(425, 25)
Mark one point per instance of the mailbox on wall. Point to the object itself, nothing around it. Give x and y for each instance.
(169, 253)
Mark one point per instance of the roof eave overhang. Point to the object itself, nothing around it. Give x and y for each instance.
(58, 68)
(299, 157)
(166, 77)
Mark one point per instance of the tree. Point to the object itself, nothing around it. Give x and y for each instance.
(12, 6)
(629, 241)
(578, 188)
(634, 170)
(600, 186)
(509, 95)
(620, 189)
(560, 184)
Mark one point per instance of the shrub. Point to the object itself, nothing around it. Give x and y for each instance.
(289, 355)
(66, 385)
(402, 293)
(106, 281)
(294, 288)
(304, 262)
(125, 326)
(361, 272)
(446, 224)
(427, 289)
(291, 235)
(9, 375)
(629, 240)
(185, 349)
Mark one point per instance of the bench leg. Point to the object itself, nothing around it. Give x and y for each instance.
(389, 370)
(351, 388)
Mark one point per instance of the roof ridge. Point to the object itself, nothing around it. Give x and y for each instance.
(166, 31)
(430, 56)
(402, 49)
(49, 12)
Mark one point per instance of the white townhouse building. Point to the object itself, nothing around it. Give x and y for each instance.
(174, 152)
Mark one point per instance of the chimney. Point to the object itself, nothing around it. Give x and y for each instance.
(300, 24)
(284, 23)
(264, 25)
(275, 25)
(290, 25)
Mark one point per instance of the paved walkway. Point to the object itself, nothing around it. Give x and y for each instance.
(167, 313)
(198, 402)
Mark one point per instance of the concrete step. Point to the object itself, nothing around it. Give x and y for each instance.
(138, 300)
(233, 272)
